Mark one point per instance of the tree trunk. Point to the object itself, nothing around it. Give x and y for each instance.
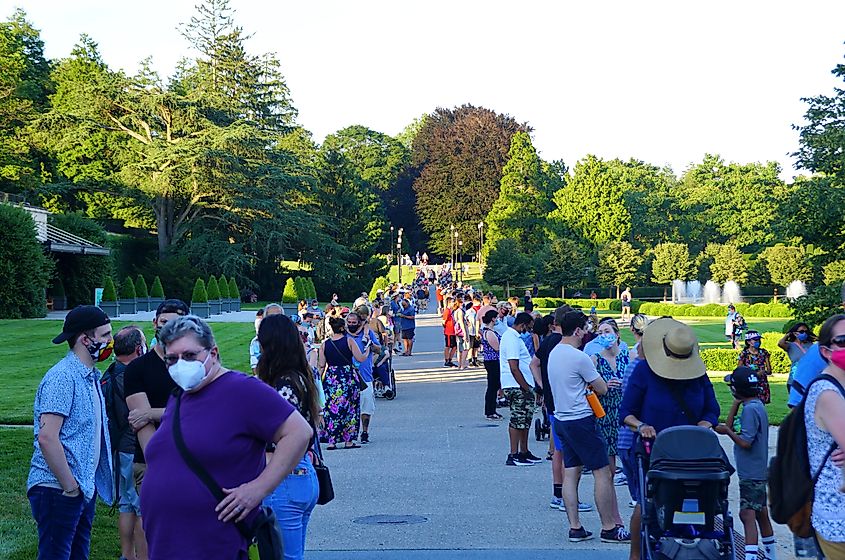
(664, 294)
(563, 292)
(507, 289)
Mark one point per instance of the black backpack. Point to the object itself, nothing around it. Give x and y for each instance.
(118, 423)
(791, 485)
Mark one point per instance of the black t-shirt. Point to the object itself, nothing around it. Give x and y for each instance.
(149, 375)
(542, 354)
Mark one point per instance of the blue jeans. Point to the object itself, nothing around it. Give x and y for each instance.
(64, 524)
(292, 502)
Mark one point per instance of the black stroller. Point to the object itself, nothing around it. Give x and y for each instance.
(684, 489)
(542, 426)
(383, 370)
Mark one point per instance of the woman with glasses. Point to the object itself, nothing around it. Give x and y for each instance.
(284, 367)
(824, 414)
(226, 419)
(342, 414)
(795, 343)
(758, 359)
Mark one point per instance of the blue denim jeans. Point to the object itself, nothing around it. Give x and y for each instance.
(64, 524)
(292, 502)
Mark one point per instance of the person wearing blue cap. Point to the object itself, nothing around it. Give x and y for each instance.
(71, 463)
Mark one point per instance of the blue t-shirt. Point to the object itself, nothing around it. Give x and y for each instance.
(365, 368)
(406, 323)
(649, 398)
(807, 369)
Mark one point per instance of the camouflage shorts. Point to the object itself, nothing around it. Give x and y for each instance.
(522, 408)
(752, 494)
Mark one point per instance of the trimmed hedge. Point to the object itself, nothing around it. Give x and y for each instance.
(605, 304)
(127, 289)
(212, 289)
(725, 359)
(109, 293)
(157, 290)
(200, 294)
(778, 310)
(234, 292)
(223, 286)
(141, 290)
(289, 293)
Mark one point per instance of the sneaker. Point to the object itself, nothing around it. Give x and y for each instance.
(620, 480)
(495, 417)
(582, 507)
(447, 364)
(531, 458)
(514, 460)
(365, 437)
(557, 503)
(586, 471)
(579, 535)
(632, 504)
(616, 535)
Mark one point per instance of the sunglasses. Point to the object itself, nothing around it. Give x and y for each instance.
(838, 341)
(802, 331)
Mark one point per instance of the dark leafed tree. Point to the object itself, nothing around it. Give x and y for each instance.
(460, 153)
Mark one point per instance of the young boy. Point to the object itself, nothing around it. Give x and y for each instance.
(751, 451)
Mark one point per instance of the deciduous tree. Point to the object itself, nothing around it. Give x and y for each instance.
(728, 264)
(619, 262)
(787, 264)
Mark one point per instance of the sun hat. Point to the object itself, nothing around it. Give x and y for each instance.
(752, 335)
(671, 350)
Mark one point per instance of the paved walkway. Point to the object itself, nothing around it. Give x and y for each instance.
(434, 454)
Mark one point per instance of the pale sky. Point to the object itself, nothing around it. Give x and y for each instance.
(661, 81)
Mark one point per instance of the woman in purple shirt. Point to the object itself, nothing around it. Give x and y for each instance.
(227, 418)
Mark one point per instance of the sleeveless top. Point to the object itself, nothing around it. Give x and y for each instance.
(337, 352)
(487, 351)
(829, 503)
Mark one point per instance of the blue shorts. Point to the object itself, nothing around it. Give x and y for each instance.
(581, 443)
(555, 439)
(130, 501)
(629, 468)
(408, 334)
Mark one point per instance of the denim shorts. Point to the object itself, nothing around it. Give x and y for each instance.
(555, 439)
(130, 501)
(582, 444)
(629, 468)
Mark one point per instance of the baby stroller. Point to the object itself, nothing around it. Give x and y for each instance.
(384, 378)
(542, 426)
(684, 489)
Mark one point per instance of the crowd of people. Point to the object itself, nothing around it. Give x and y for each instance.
(160, 415)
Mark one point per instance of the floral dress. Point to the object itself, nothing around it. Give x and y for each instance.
(759, 362)
(342, 413)
(609, 425)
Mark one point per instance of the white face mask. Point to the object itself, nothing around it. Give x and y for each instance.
(188, 375)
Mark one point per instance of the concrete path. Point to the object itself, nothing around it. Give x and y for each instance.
(434, 455)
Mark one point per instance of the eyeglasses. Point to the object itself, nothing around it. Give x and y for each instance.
(171, 359)
(838, 341)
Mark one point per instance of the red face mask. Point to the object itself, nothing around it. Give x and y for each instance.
(837, 357)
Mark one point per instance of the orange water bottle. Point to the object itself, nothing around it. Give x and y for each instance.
(593, 401)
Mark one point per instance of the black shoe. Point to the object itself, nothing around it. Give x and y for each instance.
(530, 457)
(447, 364)
(514, 460)
(365, 437)
(579, 535)
(616, 535)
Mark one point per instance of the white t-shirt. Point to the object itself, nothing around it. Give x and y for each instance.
(511, 347)
(570, 371)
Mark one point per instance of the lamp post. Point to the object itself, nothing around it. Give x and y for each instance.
(455, 240)
(480, 240)
(461, 260)
(399, 260)
(452, 246)
(390, 258)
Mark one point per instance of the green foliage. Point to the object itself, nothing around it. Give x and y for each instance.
(728, 264)
(109, 291)
(815, 307)
(779, 310)
(460, 154)
(141, 290)
(834, 272)
(223, 287)
(523, 203)
(157, 290)
(726, 359)
(564, 262)
(212, 289)
(300, 287)
(234, 292)
(671, 262)
(379, 283)
(618, 263)
(127, 289)
(506, 265)
(312, 290)
(58, 289)
(199, 295)
(24, 270)
(81, 273)
(289, 293)
(176, 272)
(786, 264)
(815, 207)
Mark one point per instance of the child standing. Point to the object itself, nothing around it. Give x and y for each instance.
(751, 452)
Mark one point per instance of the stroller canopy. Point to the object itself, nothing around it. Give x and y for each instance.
(687, 444)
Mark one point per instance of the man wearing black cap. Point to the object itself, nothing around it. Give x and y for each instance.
(148, 385)
(71, 463)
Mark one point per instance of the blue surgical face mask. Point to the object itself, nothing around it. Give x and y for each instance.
(606, 340)
(755, 343)
(802, 336)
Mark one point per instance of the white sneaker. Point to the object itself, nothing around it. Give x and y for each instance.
(632, 504)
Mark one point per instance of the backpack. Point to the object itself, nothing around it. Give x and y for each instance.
(118, 423)
(791, 486)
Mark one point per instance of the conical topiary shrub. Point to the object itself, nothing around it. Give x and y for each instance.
(235, 294)
(142, 294)
(157, 290)
(289, 296)
(108, 303)
(225, 302)
(312, 291)
(213, 290)
(301, 288)
(199, 300)
(127, 297)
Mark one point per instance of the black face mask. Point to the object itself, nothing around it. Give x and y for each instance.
(353, 328)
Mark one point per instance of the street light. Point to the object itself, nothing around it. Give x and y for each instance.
(480, 240)
(461, 260)
(390, 258)
(452, 246)
(399, 260)
(455, 240)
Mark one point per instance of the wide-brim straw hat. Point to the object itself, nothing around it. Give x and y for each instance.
(671, 350)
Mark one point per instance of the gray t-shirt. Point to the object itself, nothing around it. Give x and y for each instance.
(570, 371)
(751, 463)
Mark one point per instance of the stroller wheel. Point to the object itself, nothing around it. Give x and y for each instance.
(538, 430)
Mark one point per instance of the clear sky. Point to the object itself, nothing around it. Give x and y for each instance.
(661, 81)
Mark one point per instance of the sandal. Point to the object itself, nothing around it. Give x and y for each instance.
(331, 447)
(353, 446)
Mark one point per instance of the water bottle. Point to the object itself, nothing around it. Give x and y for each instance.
(805, 547)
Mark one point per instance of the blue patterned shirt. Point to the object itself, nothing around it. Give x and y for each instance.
(70, 389)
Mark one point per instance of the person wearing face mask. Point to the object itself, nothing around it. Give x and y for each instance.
(490, 340)
(796, 342)
(129, 344)
(226, 419)
(71, 463)
(364, 337)
(625, 440)
(758, 359)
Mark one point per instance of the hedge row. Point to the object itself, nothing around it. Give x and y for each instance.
(605, 304)
(779, 310)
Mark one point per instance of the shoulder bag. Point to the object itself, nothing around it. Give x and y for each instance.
(263, 533)
(362, 385)
(324, 477)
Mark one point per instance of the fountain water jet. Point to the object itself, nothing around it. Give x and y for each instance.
(731, 293)
(686, 292)
(712, 292)
(796, 289)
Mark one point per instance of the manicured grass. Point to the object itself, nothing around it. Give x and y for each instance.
(28, 353)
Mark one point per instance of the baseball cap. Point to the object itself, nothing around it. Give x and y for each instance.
(173, 306)
(743, 378)
(80, 319)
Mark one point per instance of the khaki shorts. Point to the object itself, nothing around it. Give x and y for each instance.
(522, 407)
(368, 400)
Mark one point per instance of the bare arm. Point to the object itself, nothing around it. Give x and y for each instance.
(493, 342)
(49, 426)
(353, 346)
(517, 375)
(830, 415)
(321, 359)
(292, 439)
(599, 386)
(535, 371)
(142, 416)
(784, 341)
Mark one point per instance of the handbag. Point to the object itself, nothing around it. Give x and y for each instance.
(324, 477)
(362, 385)
(263, 534)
